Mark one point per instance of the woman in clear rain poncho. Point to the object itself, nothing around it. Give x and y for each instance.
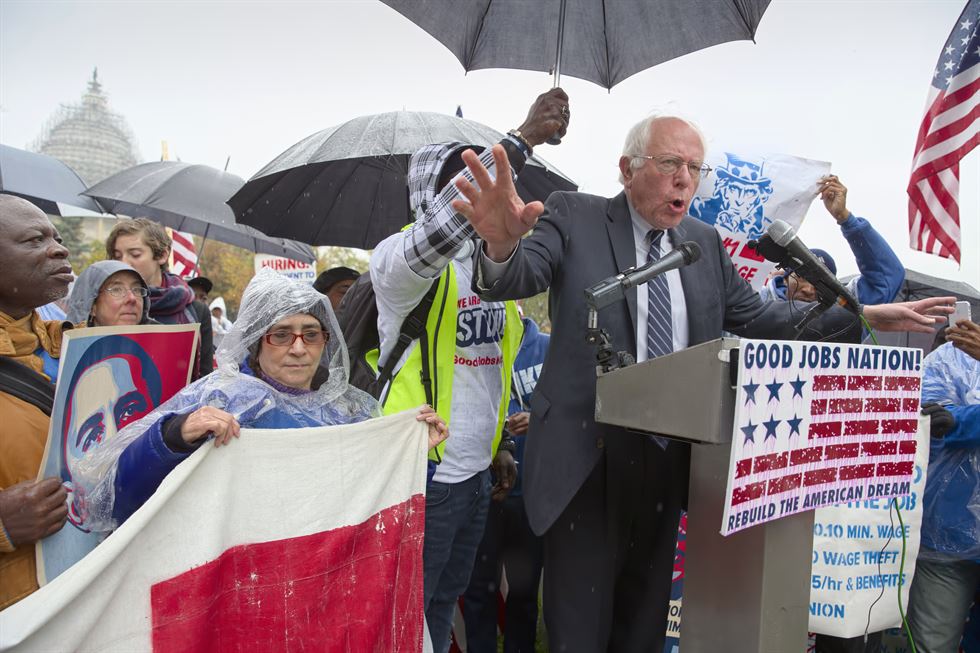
(294, 375)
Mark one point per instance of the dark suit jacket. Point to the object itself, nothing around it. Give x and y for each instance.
(580, 240)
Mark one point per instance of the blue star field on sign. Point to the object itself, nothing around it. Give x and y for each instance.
(773, 389)
(798, 386)
(750, 389)
(794, 425)
(749, 432)
(771, 425)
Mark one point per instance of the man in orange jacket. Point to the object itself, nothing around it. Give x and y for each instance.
(35, 272)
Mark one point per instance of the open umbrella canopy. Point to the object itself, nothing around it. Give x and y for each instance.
(346, 185)
(602, 42)
(43, 180)
(189, 197)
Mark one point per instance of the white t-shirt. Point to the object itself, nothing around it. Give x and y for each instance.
(476, 380)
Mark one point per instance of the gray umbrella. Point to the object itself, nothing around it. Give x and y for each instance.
(189, 197)
(43, 180)
(346, 185)
(604, 42)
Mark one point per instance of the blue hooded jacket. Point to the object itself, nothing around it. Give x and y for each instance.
(951, 505)
(880, 272)
(527, 369)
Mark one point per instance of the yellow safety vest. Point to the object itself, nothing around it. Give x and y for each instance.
(406, 389)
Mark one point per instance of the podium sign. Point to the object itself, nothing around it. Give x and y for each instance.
(817, 424)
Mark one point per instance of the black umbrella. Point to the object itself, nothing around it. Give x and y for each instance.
(601, 42)
(191, 198)
(43, 180)
(346, 185)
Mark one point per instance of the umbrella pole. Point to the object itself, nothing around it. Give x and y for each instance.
(200, 257)
(561, 38)
(555, 140)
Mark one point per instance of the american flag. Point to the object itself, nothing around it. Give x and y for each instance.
(184, 254)
(949, 130)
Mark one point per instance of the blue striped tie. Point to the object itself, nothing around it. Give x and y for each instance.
(660, 333)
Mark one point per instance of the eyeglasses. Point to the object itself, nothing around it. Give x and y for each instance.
(120, 291)
(669, 165)
(287, 338)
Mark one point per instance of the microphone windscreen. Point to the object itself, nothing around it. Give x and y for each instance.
(691, 251)
(781, 233)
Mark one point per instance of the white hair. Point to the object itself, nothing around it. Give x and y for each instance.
(639, 135)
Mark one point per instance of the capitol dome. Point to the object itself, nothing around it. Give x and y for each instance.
(89, 136)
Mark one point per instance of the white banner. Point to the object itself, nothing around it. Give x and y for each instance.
(298, 539)
(287, 267)
(743, 195)
(857, 557)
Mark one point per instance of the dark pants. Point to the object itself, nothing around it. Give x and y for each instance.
(455, 514)
(609, 557)
(508, 543)
(828, 644)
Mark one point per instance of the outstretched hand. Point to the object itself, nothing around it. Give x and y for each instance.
(497, 213)
(920, 316)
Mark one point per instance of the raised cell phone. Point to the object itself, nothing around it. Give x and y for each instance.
(962, 312)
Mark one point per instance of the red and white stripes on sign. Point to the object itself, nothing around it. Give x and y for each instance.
(862, 427)
(185, 256)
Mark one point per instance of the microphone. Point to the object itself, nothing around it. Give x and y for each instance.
(614, 288)
(783, 246)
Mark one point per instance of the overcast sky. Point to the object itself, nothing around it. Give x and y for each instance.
(841, 81)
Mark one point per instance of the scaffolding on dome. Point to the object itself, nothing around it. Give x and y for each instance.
(89, 136)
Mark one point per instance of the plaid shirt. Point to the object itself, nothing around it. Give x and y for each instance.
(438, 232)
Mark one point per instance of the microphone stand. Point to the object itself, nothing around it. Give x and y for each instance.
(607, 359)
(815, 311)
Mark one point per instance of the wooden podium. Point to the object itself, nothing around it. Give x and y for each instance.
(748, 592)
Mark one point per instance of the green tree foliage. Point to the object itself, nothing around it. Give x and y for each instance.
(348, 257)
(229, 268)
(73, 236)
(536, 308)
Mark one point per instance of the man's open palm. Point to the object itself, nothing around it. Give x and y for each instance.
(494, 208)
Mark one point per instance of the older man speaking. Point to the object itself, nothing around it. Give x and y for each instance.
(607, 501)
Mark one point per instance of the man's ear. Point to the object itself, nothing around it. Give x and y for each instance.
(164, 258)
(625, 169)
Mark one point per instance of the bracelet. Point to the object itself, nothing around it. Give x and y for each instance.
(521, 142)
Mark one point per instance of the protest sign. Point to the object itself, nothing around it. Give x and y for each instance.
(820, 424)
(857, 557)
(287, 267)
(286, 539)
(744, 193)
(108, 377)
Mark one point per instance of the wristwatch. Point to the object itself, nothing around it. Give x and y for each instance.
(521, 141)
(507, 444)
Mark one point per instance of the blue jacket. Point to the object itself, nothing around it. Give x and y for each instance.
(880, 272)
(527, 369)
(147, 460)
(951, 505)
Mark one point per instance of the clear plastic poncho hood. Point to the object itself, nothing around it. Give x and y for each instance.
(267, 299)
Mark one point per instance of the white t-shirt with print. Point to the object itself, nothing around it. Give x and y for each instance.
(476, 378)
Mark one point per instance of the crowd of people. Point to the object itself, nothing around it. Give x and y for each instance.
(527, 479)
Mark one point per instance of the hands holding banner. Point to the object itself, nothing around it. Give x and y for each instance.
(32, 510)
